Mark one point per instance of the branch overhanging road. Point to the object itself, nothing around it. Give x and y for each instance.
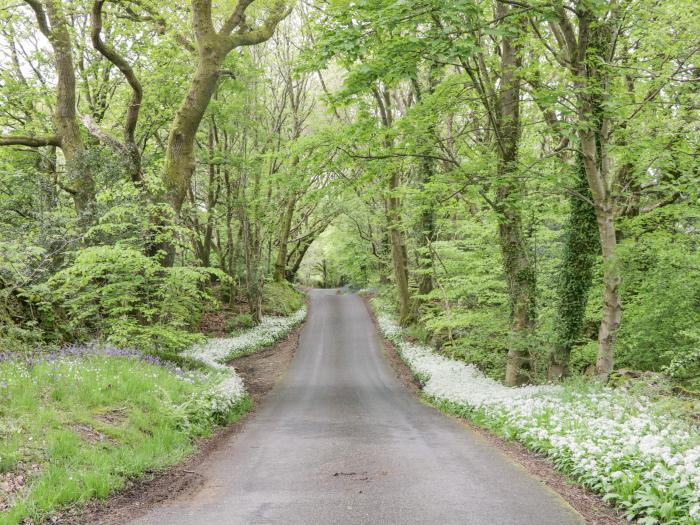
(341, 441)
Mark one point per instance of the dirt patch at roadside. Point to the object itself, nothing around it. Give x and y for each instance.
(590, 505)
(260, 372)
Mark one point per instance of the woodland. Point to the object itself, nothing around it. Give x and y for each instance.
(517, 181)
(517, 175)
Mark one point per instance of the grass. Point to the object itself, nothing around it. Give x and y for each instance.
(78, 428)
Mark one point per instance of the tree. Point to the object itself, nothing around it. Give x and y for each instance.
(212, 48)
(51, 20)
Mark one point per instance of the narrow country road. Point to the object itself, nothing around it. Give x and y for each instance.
(341, 441)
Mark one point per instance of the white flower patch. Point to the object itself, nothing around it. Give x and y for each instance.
(219, 400)
(217, 351)
(224, 396)
(623, 446)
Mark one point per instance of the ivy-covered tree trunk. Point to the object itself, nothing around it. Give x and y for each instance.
(521, 280)
(581, 247)
(427, 233)
(595, 40)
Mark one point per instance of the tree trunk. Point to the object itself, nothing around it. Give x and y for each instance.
(52, 23)
(253, 288)
(384, 268)
(612, 307)
(280, 273)
(521, 289)
(427, 234)
(593, 87)
(518, 267)
(581, 246)
(398, 251)
(597, 175)
(293, 268)
(179, 156)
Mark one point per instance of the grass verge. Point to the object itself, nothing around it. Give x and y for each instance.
(76, 427)
(79, 423)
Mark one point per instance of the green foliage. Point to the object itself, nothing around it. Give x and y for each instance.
(129, 300)
(685, 364)
(239, 322)
(663, 297)
(79, 429)
(281, 298)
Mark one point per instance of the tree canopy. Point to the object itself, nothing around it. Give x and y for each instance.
(520, 178)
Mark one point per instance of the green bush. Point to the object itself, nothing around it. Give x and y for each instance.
(239, 322)
(120, 296)
(281, 298)
(583, 356)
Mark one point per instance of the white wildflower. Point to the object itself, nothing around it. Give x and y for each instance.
(603, 436)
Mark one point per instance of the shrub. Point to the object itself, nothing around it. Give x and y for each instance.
(281, 298)
(685, 365)
(239, 322)
(123, 297)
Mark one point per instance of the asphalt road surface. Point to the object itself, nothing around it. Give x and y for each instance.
(340, 440)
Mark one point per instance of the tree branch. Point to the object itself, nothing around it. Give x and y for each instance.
(96, 131)
(110, 54)
(40, 16)
(33, 142)
(161, 24)
(264, 32)
(237, 16)
(201, 19)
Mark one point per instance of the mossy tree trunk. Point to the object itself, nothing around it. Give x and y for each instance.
(517, 260)
(399, 253)
(212, 48)
(588, 52)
